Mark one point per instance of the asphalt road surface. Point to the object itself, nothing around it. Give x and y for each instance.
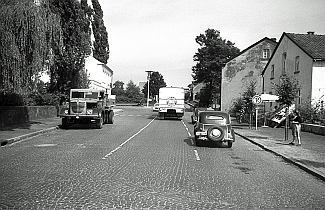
(141, 162)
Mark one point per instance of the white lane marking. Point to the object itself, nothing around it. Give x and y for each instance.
(119, 147)
(189, 134)
(197, 155)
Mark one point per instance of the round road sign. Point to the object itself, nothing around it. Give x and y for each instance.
(257, 100)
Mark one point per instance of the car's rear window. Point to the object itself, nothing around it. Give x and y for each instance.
(214, 119)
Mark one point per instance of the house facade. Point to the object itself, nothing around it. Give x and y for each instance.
(247, 67)
(99, 74)
(301, 56)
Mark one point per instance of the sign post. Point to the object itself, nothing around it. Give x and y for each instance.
(257, 100)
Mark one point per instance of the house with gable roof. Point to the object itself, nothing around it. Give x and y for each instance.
(301, 56)
(243, 69)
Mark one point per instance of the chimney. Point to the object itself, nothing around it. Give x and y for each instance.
(273, 39)
(310, 32)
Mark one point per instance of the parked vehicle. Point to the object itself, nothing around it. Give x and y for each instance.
(171, 102)
(155, 107)
(195, 113)
(214, 126)
(87, 106)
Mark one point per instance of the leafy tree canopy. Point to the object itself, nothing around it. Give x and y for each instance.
(101, 46)
(28, 32)
(156, 81)
(68, 71)
(287, 90)
(212, 55)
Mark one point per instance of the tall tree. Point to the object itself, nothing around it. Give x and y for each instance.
(118, 88)
(212, 55)
(68, 71)
(27, 33)
(156, 81)
(101, 46)
(133, 92)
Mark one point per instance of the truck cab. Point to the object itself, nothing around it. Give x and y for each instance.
(87, 106)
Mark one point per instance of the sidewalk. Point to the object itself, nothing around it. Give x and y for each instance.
(309, 157)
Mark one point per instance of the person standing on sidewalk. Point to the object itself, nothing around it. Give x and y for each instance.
(296, 127)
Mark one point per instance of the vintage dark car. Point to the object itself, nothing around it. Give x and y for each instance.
(195, 113)
(214, 126)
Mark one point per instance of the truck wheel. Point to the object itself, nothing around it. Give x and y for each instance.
(99, 123)
(111, 117)
(106, 117)
(229, 144)
(65, 124)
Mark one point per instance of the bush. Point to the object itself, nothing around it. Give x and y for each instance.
(11, 99)
(313, 113)
(33, 99)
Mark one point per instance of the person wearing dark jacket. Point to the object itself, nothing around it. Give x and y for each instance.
(296, 128)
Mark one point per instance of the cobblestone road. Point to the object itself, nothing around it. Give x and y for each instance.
(140, 162)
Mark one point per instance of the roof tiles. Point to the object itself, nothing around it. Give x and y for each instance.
(312, 44)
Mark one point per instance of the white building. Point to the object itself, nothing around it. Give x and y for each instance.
(100, 75)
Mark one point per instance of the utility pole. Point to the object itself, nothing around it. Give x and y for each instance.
(148, 79)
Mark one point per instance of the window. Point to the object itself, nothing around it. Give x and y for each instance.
(299, 97)
(284, 58)
(296, 65)
(266, 53)
(272, 71)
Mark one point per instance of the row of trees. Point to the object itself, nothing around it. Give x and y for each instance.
(50, 36)
(132, 92)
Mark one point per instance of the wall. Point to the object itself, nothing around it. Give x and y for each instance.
(304, 76)
(100, 75)
(318, 75)
(238, 73)
(10, 115)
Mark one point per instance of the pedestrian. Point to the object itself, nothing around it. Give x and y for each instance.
(296, 127)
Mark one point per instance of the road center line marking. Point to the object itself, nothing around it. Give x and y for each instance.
(126, 141)
(197, 155)
(188, 132)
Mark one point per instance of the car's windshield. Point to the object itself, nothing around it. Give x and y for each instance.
(90, 95)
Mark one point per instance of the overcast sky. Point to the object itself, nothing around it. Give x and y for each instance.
(159, 35)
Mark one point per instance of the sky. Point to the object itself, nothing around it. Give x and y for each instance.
(159, 35)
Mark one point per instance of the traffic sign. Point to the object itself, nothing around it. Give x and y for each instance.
(257, 100)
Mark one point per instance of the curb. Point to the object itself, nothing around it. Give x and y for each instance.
(29, 135)
(300, 165)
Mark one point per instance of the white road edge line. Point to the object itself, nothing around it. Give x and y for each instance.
(189, 134)
(119, 147)
(197, 155)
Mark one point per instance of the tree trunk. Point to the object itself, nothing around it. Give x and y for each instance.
(286, 124)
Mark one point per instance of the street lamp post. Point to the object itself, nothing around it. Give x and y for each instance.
(148, 79)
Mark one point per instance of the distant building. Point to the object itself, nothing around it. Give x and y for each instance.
(241, 70)
(141, 85)
(303, 57)
(196, 92)
(100, 75)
